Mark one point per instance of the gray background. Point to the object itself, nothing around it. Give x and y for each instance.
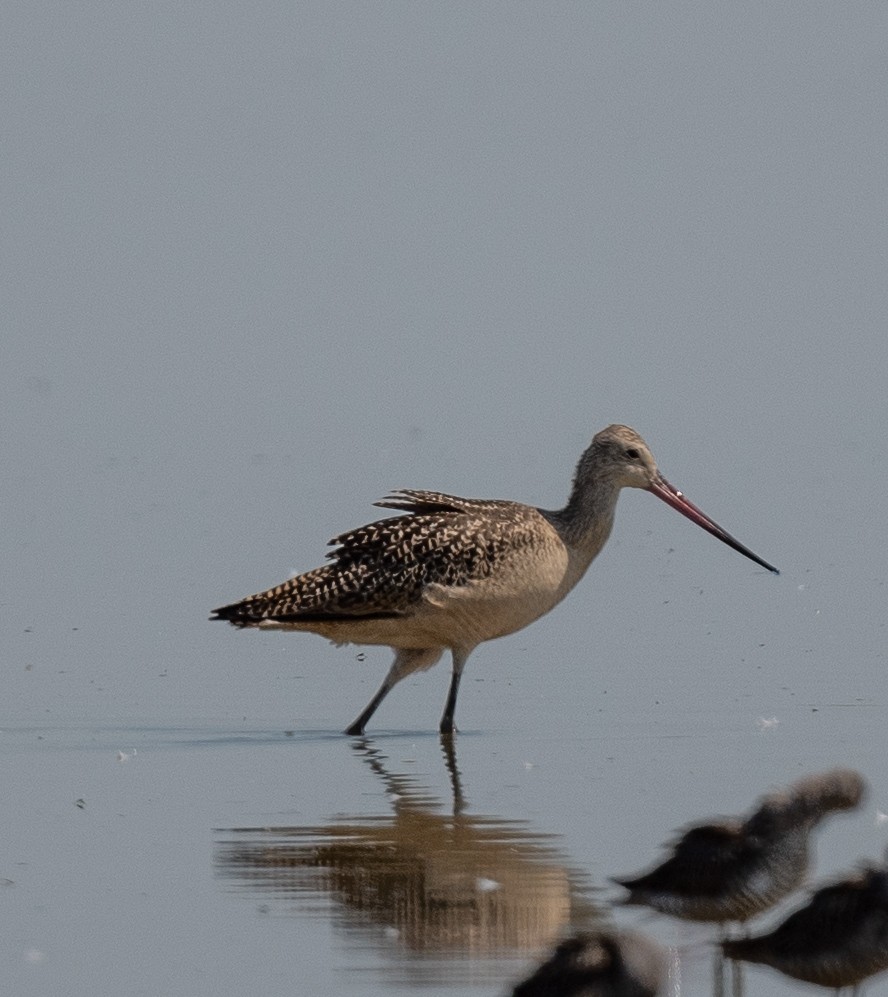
(263, 263)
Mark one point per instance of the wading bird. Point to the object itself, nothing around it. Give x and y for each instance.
(454, 572)
(603, 963)
(735, 868)
(838, 940)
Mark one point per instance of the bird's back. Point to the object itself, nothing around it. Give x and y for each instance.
(719, 872)
(390, 568)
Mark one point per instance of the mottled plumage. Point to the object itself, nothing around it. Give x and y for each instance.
(733, 869)
(382, 569)
(839, 939)
(454, 572)
(599, 964)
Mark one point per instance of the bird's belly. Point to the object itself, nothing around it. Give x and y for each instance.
(470, 614)
(446, 616)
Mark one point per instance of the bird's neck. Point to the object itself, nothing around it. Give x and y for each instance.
(585, 523)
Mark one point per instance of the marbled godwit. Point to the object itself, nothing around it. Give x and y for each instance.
(733, 869)
(838, 940)
(599, 964)
(455, 572)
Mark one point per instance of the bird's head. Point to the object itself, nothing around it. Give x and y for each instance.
(620, 454)
(619, 458)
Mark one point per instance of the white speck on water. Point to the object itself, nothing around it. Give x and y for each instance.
(484, 885)
(528, 765)
(767, 723)
(34, 956)
(881, 818)
(391, 932)
(123, 756)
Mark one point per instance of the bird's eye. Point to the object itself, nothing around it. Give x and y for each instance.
(632, 453)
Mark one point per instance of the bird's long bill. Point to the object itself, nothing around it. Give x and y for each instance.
(672, 496)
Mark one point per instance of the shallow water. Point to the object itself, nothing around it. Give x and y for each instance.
(206, 859)
(266, 263)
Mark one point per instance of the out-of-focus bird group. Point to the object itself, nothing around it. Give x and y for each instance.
(727, 872)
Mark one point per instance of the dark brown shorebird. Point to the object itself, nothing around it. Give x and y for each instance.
(599, 964)
(735, 868)
(839, 939)
(455, 572)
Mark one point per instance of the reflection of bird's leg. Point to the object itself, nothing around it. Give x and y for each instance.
(448, 746)
(365, 747)
(399, 785)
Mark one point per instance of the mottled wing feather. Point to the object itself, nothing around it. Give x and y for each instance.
(702, 859)
(417, 501)
(814, 926)
(383, 568)
(709, 843)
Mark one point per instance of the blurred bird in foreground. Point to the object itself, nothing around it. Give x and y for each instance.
(734, 868)
(839, 939)
(599, 964)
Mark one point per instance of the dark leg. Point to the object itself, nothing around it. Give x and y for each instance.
(358, 726)
(459, 662)
(737, 978)
(718, 973)
(407, 660)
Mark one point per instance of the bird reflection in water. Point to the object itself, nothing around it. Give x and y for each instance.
(438, 883)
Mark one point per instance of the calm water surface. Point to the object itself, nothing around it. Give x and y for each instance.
(213, 859)
(268, 262)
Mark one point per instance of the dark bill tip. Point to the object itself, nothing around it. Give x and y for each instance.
(672, 496)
